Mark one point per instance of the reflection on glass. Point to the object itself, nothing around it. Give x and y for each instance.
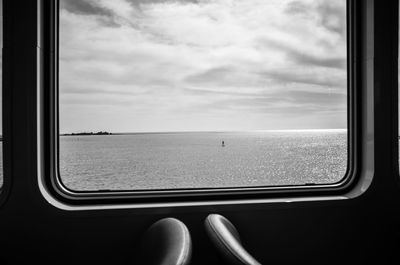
(170, 94)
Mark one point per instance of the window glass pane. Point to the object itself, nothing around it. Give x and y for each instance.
(170, 94)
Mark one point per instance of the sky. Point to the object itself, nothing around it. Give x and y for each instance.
(202, 65)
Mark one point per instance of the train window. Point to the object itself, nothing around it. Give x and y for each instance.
(199, 94)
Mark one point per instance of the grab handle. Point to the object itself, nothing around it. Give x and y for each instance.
(225, 238)
(167, 242)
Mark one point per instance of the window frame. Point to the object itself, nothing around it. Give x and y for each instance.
(6, 109)
(48, 136)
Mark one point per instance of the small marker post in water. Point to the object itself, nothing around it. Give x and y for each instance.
(223, 143)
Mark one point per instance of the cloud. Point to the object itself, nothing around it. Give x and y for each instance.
(84, 7)
(309, 59)
(325, 55)
(297, 8)
(332, 16)
(219, 62)
(147, 2)
(322, 78)
(290, 102)
(226, 78)
(329, 14)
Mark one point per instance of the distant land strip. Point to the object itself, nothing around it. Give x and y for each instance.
(194, 132)
(86, 133)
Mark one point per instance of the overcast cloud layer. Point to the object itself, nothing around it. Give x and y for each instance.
(180, 65)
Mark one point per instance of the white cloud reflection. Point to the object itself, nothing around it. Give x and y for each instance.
(177, 65)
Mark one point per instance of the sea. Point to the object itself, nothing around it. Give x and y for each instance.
(195, 160)
(187, 160)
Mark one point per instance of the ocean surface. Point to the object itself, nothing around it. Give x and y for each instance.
(152, 161)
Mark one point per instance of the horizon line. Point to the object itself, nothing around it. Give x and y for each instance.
(211, 131)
